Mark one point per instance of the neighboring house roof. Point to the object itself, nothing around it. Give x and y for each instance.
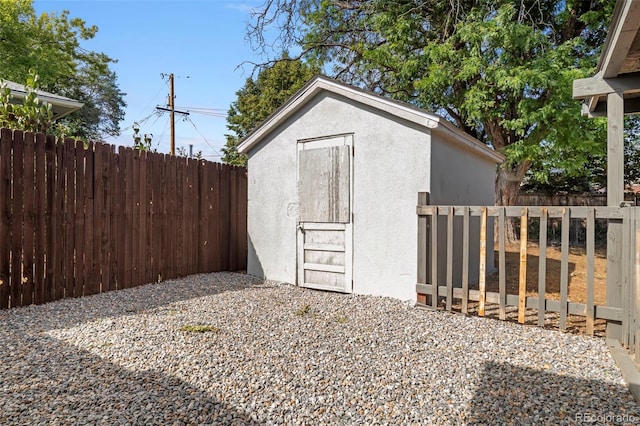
(395, 108)
(619, 64)
(60, 105)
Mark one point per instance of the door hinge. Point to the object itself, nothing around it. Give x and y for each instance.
(353, 151)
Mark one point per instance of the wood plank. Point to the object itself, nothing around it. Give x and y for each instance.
(324, 247)
(601, 312)
(98, 215)
(522, 283)
(591, 226)
(465, 260)
(69, 216)
(149, 221)
(142, 229)
(502, 265)
(172, 207)
(79, 224)
(129, 261)
(627, 273)
(156, 216)
(17, 218)
(91, 285)
(135, 220)
(225, 219)
(6, 138)
(615, 196)
(204, 217)
(216, 232)
(449, 297)
(181, 195)
(40, 205)
(324, 267)
(107, 177)
(59, 231)
(121, 223)
(482, 262)
(325, 199)
(164, 222)
(233, 212)
(542, 266)
(29, 220)
(577, 212)
(434, 258)
(190, 206)
(564, 268)
(50, 161)
(597, 86)
(115, 190)
(636, 281)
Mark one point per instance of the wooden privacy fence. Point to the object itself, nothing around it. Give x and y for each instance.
(437, 235)
(78, 220)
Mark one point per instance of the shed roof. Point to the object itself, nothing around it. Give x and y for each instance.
(398, 109)
(60, 105)
(618, 66)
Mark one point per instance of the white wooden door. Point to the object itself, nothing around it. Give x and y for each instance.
(325, 230)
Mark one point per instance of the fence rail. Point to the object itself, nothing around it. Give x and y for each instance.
(433, 242)
(78, 220)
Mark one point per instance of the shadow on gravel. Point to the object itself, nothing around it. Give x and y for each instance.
(513, 395)
(43, 381)
(71, 312)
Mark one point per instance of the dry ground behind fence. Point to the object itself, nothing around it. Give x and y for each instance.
(577, 283)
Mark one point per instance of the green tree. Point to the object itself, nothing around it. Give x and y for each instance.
(49, 45)
(500, 70)
(259, 98)
(549, 178)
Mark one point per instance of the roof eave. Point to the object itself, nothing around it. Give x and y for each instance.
(625, 22)
(404, 111)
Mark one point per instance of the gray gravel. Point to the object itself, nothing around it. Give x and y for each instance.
(277, 354)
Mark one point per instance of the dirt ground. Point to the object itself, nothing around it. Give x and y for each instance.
(577, 269)
(577, 273)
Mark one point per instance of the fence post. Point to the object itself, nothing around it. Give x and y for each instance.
(635, 270)
(423, 200)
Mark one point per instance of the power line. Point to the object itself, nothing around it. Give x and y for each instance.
(205, 139)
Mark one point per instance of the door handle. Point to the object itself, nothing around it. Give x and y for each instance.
(301, 228)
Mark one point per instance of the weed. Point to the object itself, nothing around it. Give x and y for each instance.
(303, 311)
(341, 320)
(199, 328)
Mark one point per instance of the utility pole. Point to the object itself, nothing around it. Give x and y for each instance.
(172, 116)
(172, 112)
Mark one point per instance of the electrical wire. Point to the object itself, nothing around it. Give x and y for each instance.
(156, 95)
(162, 134)
(205, 139)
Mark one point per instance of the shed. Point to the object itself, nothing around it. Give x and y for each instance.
(333, 183)
(60, 105)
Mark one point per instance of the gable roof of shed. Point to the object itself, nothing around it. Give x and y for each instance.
(398, 109)
(60, 105)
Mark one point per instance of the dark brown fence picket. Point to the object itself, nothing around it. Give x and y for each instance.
(77, 220)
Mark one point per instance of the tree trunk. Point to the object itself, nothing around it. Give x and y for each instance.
(508, 182)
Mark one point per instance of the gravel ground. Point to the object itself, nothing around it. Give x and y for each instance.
(278, 354)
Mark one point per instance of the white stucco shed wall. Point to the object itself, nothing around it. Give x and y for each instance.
(461, 176)
(390, 167)
(399, 152)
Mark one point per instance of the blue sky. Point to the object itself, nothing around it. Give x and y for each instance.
(201, 42)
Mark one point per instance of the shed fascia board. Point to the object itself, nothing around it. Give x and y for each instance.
(395, 108)
(624, 26)
(60, 105)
